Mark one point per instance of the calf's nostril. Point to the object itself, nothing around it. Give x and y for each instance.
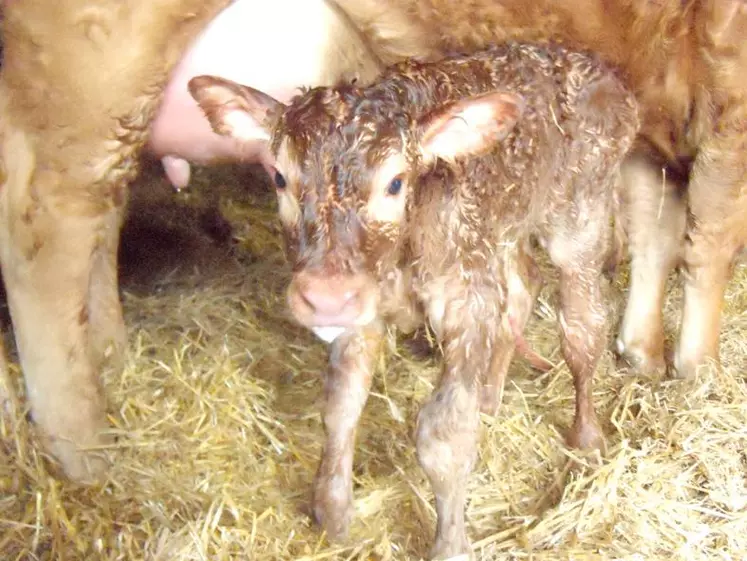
(308, 299)
(349, 296)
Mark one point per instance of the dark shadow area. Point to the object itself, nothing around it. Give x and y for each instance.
(168, 234)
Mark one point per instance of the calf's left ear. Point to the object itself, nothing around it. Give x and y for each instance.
(470, 127)
(233, 109)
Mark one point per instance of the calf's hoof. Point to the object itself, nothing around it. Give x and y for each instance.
(333, 508)
(490, 399)
(640, 360)
(586, 436)
(454, 549)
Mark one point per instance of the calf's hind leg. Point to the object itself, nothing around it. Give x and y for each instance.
(583, 321)
(583, 326)
(524, 283)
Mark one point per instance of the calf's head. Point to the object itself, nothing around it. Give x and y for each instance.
(348, 162)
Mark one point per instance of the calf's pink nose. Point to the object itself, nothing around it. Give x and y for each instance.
(329, 297)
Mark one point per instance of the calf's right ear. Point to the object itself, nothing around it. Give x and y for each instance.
(233, 109)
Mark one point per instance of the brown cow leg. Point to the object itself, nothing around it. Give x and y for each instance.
(718, 205)
(346, 387)
(8, 398)
(656, 218)
(47, 269)
(70, 135)
(705, 284)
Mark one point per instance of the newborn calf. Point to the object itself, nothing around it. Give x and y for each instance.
(420, 197)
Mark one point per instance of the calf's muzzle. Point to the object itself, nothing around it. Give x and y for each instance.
(319, 299)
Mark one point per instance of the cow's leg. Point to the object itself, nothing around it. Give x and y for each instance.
(107, 337)
(75, 109)
(718, 229)
(346, 386)
(7, 392)
(656, 213)
(46, 259)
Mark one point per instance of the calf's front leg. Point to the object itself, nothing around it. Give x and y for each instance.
(447, 450)
(346, 387)
(475, 354)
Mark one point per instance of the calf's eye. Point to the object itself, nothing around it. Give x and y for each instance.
(279, 180)
(395, 186)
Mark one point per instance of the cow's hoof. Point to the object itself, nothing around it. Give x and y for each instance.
(82, 466)
(686, 367)
(8, 405)
(455, 549)
(639, 360)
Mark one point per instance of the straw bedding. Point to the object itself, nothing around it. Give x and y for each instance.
(219, 433)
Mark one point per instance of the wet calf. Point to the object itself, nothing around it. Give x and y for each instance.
(419, 198)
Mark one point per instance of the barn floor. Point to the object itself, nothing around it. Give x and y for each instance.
(217, 414)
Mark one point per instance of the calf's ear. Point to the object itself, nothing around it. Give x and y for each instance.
(471, 126)
(234, 110)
